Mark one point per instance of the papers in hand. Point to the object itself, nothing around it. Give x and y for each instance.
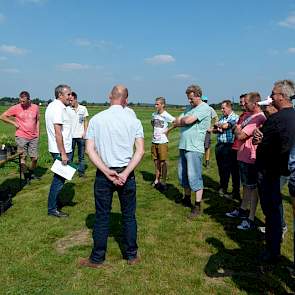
(66, 171)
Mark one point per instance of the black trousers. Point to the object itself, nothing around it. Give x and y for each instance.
(227, 164)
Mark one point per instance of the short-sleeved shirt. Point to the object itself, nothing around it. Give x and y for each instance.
(160, 124)
(237, 143)
(272, 153)
(213, 113)
(114, 132)
(192, 136)
(227, 136)
(78, 117)
(56, 113)
(26, 118)
(247, 150)
(130, 111)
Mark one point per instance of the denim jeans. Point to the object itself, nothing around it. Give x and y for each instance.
(80, 142)
(227, 164)
(271, 204)
(190, 170)
(103, 193)
(56, 187)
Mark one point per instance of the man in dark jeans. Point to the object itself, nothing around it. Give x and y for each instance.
(111, 136)
(225, 156)
(292, 194)
(79, 116)
(58, 127)
(276, 139)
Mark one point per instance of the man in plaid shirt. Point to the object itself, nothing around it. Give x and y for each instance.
(223, 150)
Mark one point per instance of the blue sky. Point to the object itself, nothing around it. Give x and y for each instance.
(155, 48)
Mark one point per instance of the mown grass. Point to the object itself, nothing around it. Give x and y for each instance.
(39, 254)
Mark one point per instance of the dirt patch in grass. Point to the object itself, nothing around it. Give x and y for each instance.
(76, 238)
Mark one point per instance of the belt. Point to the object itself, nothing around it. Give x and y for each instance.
(118, 169)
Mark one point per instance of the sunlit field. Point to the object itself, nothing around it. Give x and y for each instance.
(39, 254)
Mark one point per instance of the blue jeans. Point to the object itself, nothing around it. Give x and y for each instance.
(190, 170)
(56, 187)
(81, 151)
(103, 193)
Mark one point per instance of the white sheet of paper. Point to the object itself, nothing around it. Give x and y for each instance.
(66, 171)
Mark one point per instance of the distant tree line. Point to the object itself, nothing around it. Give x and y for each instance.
(14, 100)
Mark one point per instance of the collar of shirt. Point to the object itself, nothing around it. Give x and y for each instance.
(59, 102)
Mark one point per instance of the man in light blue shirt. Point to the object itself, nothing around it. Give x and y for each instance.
(193, 123)
(111, 136)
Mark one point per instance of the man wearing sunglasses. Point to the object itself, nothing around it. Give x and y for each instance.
(278, 137)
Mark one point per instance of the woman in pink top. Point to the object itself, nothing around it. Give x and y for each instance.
(25, 117)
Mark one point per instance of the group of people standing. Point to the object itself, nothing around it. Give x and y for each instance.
(254, 148)
(257, 150)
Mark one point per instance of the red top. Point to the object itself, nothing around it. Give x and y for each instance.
(26, 118)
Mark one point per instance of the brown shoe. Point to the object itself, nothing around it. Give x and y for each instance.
(86, 262)
(196, 211)
(133, 261)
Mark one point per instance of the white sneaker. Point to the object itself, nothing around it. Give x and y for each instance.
(246, 224)
(261, 229)
(284, 230)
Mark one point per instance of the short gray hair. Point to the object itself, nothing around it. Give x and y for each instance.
(287, 87)
(59, 89)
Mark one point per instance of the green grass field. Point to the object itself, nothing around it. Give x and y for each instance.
(39, 254)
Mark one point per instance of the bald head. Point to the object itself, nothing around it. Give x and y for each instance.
(119, 94)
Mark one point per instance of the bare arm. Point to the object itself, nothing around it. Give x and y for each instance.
(183, 121)
(7, 119)
(137, 156)
(97, 161)
(239, 134)
(85, 126)
(60, 143)
(38, 126)
(257, 137)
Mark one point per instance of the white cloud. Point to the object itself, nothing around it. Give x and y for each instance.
(82, 42)
(272, 51)
(72, 67)
(289, 22)
(103, 44)
(291, 50)
(12, 49)
(183, 76)
(220, 64)
(160, 59)
(32, 1)
(2, 18)
(10, 70)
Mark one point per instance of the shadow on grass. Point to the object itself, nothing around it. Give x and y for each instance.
(115, 228)
(40, 171)
(241, 264)
(10, 186)
(171, 193)
(67, 195)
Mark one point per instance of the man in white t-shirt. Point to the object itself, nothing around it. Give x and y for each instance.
(111, 137)
(59, 132)
(79, 126)
(159, 149)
